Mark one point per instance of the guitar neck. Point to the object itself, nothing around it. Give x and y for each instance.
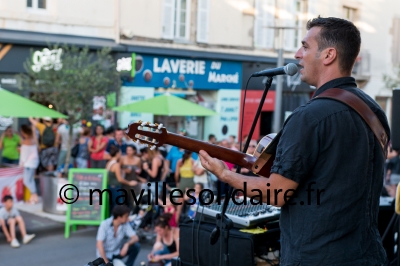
(241, 159)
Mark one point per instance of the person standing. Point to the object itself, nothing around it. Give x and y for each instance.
(97, 146)
(48, 150)
(115, 179)
(62, 139)
(29, 160)
(9, 143)
(329, 157)
(154, 170)
(131, 166)
(82, 158)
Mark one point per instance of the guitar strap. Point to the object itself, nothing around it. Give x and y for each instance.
(358, 105)
(351, 100)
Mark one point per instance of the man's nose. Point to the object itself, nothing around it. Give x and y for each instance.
(298, 54)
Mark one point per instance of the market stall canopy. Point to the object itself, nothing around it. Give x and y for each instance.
(166, 105)
(14, 105)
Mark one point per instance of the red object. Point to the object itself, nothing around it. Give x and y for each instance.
(6, 191)
(19, 189)
(252, 101)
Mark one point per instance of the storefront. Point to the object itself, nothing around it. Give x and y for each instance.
(295, 93)
(214, 84)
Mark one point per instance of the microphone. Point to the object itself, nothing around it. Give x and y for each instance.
(290, 69)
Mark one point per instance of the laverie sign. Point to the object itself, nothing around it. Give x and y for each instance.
(165, 72)
(47, 59)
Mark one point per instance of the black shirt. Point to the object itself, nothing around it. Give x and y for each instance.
(326, 142)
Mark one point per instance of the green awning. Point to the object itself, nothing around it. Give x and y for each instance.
(166, 105)
(15, 105)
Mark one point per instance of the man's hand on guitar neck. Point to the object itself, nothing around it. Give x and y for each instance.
(274, 182)
(215, 166)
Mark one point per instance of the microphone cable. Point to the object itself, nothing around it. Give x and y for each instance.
(242, 115)
(198, 234)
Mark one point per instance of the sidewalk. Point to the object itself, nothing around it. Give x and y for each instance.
(37, 209)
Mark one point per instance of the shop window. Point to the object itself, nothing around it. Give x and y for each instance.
(176, 19)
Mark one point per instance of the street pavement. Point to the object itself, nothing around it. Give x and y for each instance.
(49, 247)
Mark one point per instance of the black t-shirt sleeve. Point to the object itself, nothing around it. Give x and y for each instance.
(298, 147)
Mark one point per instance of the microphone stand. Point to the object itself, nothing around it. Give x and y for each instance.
(224, 224)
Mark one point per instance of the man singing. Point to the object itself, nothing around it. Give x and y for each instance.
(330, 156)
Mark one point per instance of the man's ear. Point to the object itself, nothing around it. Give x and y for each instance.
(329, 55)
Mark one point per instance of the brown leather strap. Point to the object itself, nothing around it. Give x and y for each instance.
(362, 109)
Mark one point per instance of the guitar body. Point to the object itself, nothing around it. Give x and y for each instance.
(154, 135)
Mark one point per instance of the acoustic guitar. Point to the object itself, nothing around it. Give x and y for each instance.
(154, 135)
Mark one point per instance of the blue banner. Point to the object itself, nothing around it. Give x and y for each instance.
(185, 73)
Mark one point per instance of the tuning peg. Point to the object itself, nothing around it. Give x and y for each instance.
(138, 141)
(152, 147)
(152, 125)
(143, 124)
(140, 121)
(160, 126)
(154, 141)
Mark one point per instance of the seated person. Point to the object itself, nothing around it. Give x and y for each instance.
(111, 236)
(194, 200)
(9, 218)
(166, 246)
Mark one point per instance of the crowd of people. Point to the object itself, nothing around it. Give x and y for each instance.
(42, 146)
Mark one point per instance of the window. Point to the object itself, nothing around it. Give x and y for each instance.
(395, 31)
(176, 19)
(264, 20)
(202, 20)
(36, 4)
(349, 13)
(382, 101)
(293, 36)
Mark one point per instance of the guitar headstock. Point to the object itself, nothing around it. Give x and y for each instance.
(154, 135)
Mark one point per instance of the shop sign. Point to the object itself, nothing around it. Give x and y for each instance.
(47, 59)
(172, 72)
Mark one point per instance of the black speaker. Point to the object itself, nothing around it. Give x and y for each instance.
(395, 128)
(195, 248)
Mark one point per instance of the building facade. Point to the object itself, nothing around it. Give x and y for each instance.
(170, 38)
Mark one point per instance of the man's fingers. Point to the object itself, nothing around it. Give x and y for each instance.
(204, 154)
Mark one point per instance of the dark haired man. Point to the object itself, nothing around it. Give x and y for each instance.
(117, 141)
(212, 139)
(111, 237)
(330, 156)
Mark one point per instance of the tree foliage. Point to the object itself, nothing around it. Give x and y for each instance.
(69, 78)
(392, 82)
(71, 89)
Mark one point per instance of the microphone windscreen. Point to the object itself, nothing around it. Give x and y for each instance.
(291, 69)
(397, 200)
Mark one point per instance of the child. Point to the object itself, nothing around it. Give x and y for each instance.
(9, 218)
